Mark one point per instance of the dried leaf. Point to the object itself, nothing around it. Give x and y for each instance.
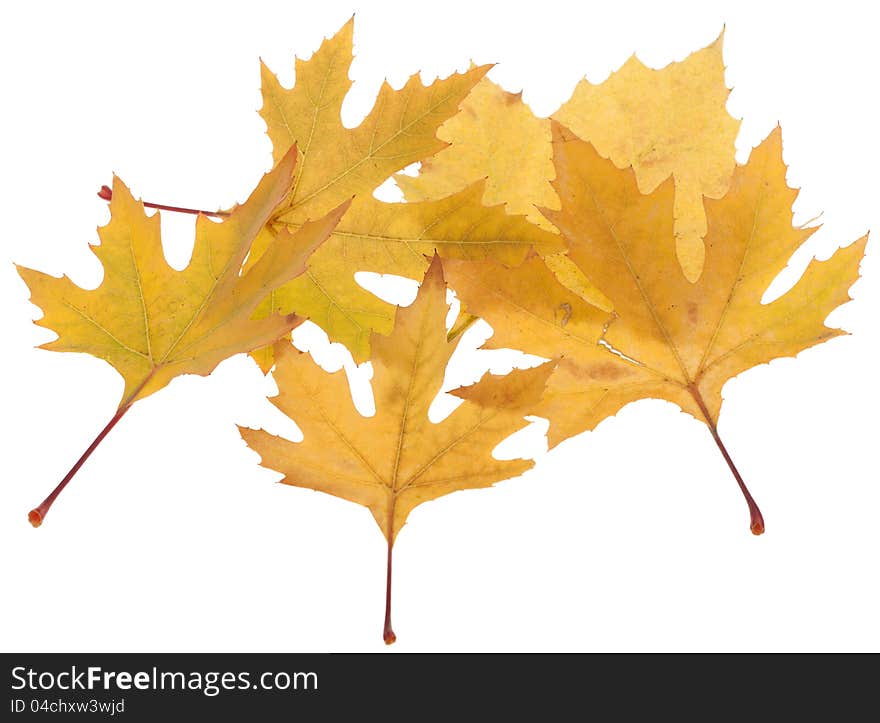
(671, 121)
(153, 323)
(668, 338)
(339, 163)
(399, 238)
(397, 459)
(494, 136)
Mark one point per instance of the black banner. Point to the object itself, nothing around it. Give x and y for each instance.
(134, 687)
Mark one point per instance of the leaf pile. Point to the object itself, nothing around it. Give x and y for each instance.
(618, 239)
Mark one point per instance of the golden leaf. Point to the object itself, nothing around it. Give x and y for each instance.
(339, 163)
(497, 137)
(671, 121)
(668, 337)
(397, 459)
(399, 238)
(153, 323)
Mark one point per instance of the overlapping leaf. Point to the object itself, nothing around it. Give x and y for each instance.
(339, 162)
(397, 459)
(396, 238)
(153, 323)
(497, 137)
(671, 121)
(668, 337)
(661, 123)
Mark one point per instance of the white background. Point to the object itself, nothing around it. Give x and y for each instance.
(630, 538)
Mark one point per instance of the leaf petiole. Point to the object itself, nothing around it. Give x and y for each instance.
(38, 514)
(107, 194)
(387, 633)
(756, 522)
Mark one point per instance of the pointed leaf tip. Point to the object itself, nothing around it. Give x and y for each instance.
(435, 268)
(520, 388)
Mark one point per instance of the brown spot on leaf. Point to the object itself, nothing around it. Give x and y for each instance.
(565, 313)
(608, 371)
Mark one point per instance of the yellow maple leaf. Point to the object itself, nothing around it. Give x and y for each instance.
(339, 163)
(494, 136)
(398, 238)
(671, 121)
(152, 322)
(668, 338)
(397, 459)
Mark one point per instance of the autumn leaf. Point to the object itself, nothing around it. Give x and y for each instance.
(339, 163)
(396, 238)
(668, 338)
(494, 136)
(151, 322)
(671, 121)
(397, 459)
